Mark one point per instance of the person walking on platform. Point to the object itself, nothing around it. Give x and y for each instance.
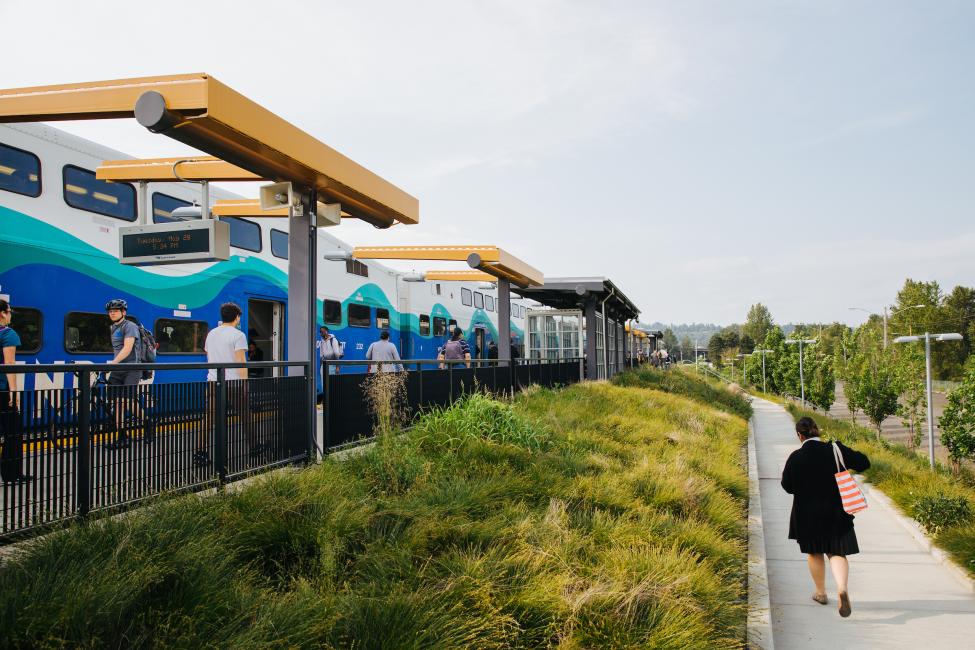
(383, 350)
(123, 385)
(227, 344)
(10, 424)
(818, 521)
(456, 349)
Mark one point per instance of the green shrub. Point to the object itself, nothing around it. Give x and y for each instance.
(939, 511)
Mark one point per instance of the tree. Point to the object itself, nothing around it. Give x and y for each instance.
(775, 343)
(957, 423)
(878, 390)
(821, 382)
(687, 348)
(848, 369)
(758, 322)
(670, 341)
(913, 399)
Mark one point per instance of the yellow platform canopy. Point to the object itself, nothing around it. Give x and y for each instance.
(489, 259)
(203, 113)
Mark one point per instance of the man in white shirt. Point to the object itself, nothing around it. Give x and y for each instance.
(227, 344)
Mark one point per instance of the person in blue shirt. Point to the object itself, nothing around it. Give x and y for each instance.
(11, 463)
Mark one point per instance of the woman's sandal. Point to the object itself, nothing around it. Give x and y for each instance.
(820, 598)
(845, 607)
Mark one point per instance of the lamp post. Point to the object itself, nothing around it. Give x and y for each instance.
(763, 352)
(802, 378)
(951, 336)
(886, 316)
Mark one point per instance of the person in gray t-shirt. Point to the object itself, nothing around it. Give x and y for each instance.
(122, 383)
(383, 350)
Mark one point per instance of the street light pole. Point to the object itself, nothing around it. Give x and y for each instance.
(952, 336)
(802, 378)
(763, 352)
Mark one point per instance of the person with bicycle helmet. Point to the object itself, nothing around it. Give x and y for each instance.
(121, 383)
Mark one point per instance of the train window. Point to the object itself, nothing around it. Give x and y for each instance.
(359, 316)
(163, 206)
(87, 333)
(20, 171)
(355, 267)
(424, 325)
(465, 297)
(180, 336)
(244, 234)
(478, 300)
(85, 192)
(27, 323)
(332, 312)
(451, 325)
(439, 326)
(489, 303)
(279, 243)
(438, 288)
(382, 318)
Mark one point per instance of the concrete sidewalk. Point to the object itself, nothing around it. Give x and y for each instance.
(902, 597)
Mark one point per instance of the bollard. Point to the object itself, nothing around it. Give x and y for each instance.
(83, 476)
(220, 427)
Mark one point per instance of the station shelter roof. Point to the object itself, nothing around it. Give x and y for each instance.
(201, 112)
(492, 260)
(575, 292)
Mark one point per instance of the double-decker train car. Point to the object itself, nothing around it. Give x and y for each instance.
(59, 266)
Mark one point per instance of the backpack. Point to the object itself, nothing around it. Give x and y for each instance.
(146, 349)
(453, 350)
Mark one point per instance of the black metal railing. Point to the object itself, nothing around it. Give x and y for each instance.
(93, 448)
(429, 383)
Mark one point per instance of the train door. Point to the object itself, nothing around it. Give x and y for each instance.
(479, 343)
(265, 327)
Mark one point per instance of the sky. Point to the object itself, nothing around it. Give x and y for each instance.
(704, 155)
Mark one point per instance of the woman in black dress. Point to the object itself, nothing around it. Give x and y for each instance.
(818, 521)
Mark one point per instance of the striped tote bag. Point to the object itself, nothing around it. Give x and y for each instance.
(850, 494)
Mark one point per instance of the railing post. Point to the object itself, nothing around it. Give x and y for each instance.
(419, 378)
(220, 427)
(326, 407)
(83, 474)
(450, 380)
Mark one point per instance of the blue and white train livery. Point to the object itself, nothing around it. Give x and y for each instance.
(59, 266)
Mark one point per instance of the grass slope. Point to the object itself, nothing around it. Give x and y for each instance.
(595, 516)
(906, 478)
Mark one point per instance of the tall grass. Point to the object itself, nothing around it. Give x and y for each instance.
(596, 516)
(683, 382)
(907, 479)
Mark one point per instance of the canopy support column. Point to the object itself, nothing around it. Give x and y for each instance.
(302, 297)
(592, 364)
(504, 320)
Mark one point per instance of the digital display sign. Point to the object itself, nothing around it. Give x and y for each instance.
(144, 244)
(200, 240)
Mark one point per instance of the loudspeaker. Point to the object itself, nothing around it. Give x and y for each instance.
(276, 195)
(329, 214)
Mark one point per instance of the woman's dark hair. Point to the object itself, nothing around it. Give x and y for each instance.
(384, 335)
(807, 427)
(456, 334)
(229, 311)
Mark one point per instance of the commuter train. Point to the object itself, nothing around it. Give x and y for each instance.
(59, 266)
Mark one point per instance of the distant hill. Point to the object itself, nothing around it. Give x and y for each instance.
(701, 332)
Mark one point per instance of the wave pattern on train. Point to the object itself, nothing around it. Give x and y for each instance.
(59, 266)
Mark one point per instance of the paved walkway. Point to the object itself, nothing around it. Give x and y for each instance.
(902, 597)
